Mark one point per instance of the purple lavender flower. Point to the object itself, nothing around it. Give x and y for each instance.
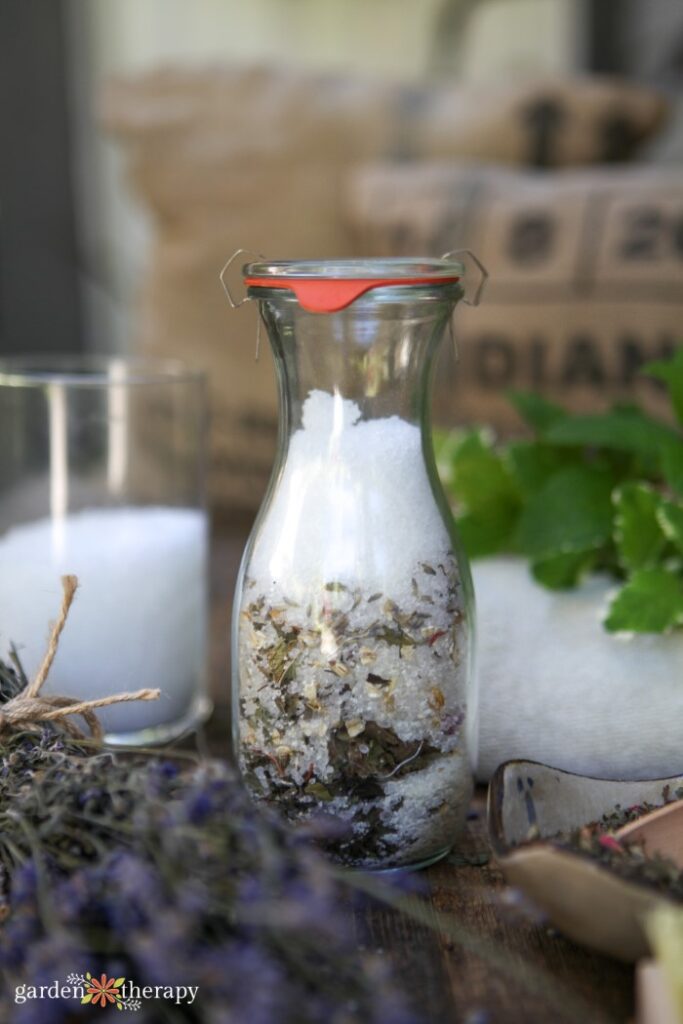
(177, 879)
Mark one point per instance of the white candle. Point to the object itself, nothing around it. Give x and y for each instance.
(139, 618)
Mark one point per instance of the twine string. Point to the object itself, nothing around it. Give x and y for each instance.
(31, 707)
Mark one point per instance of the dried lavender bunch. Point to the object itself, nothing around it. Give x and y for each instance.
(168, 875)
(12, 678)
(137, 867)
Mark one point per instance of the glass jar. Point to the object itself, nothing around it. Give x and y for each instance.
(102, 475)
(352, 633)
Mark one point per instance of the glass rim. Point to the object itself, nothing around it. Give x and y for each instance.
(350, 269)
(94, 371)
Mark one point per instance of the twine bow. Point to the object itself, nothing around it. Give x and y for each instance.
(30, 707)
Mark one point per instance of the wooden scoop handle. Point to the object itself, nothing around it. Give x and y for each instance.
(659, 832)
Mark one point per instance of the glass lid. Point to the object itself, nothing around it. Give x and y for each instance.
(327, 286)
(409, 267)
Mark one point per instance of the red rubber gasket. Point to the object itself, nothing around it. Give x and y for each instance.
(329, 295)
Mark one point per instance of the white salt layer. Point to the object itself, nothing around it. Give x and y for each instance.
(140, 615)
(354, 503)
(554, 686)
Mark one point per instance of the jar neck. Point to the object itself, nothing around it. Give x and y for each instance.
(377, 353)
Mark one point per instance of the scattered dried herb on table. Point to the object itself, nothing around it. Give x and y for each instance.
(597, 841)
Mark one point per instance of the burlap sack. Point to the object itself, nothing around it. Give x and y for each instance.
(257, 158)
(586, 276)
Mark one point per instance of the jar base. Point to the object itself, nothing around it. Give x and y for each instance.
(419, 865)
(198, 713)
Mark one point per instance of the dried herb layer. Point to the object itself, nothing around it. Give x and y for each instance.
(352, 704)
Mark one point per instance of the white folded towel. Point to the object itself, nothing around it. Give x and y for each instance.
(555, 687)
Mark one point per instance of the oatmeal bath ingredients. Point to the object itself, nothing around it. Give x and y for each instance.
(353, 643)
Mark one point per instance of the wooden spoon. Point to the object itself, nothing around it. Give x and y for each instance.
(659, 832)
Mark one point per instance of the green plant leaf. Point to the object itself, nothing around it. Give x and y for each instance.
(651, 602)
(618, 430)
(672, 465)
(486, 493)
(487, 531)
(537, 412)
(479, 474)
(572, 512)
(532, 462)
(562, 572)
(637, 531)
(671, 372)
(589, 492)
(670, 517)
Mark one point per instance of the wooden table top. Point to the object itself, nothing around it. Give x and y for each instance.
(526, 974)
(476, 955)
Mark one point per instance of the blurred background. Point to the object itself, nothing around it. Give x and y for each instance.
(146, 140)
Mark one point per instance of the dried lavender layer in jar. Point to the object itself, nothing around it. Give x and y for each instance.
(354, 705)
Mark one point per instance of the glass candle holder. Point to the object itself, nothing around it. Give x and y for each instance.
(102, 474)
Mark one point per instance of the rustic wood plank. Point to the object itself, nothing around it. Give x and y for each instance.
(476, 896)
(545, 977)
(414, 951)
